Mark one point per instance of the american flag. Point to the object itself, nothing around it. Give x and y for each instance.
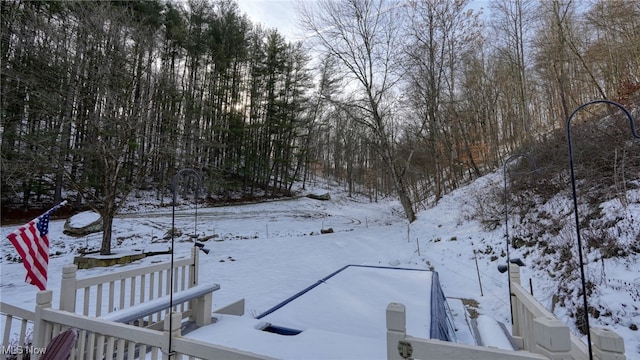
(32, 244)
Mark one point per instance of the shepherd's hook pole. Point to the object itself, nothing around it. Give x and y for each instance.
(575, 204)
(173, 226)
(506, 222)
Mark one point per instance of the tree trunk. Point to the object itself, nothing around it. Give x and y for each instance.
(399, 186)
(107, 226)
(405, 200)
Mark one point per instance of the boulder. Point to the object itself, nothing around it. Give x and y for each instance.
(325, 196)
(172, 232)
(83, 223)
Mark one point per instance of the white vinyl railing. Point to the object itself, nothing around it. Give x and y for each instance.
(14, 316)
(401, 346)
(103, 294)
(528, 313)
(102, 339)
(536, 331)
(111, 296)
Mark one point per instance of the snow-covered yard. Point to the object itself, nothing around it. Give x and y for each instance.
(269, 251)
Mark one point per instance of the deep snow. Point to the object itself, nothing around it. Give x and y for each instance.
(269, 251)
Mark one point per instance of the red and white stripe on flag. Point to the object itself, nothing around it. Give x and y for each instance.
(32, 244)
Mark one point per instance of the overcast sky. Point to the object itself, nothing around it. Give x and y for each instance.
(278, 14)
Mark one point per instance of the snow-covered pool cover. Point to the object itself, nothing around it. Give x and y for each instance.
(340, 317)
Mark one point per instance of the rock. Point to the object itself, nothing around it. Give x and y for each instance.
(83, 223)
(326, 231)
(176, 233)
(324, 197)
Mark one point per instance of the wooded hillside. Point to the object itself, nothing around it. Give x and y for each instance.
(413, 98)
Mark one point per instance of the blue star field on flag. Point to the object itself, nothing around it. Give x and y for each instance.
(43, 224)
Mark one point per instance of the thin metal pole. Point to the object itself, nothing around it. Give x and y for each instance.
(173, 226)
(478, 271)
(63, 203)
(575, 205)
(506, 222)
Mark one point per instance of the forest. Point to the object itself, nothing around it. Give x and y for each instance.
(411, 98)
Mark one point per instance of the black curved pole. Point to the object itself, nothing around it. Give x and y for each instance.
(506, 221)
(174, 185)
(575, 204)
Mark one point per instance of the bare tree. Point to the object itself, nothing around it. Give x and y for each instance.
(614, 49)
(553, 55)
(438, 33)
(363, 35)
(510, 20)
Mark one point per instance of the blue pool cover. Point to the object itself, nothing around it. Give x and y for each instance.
(437, 324)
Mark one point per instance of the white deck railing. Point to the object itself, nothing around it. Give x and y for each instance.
(102, 339)
(536, 331)
(402, 346)
(529, 315)
(103, 294)
(18, 317)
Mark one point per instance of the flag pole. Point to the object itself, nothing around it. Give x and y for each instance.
(63, 203)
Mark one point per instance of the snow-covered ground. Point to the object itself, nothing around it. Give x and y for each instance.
(269, 251)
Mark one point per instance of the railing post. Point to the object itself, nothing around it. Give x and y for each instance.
(201, 309)
(193, 274)
(43, 301)
(514, 278)
(195, 305)
(514, 273)
(553, 338)
(607, 345)
(68, 288)
(172, 328)
(396, 329)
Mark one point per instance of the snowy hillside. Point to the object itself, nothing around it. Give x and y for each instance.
(269, 251)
